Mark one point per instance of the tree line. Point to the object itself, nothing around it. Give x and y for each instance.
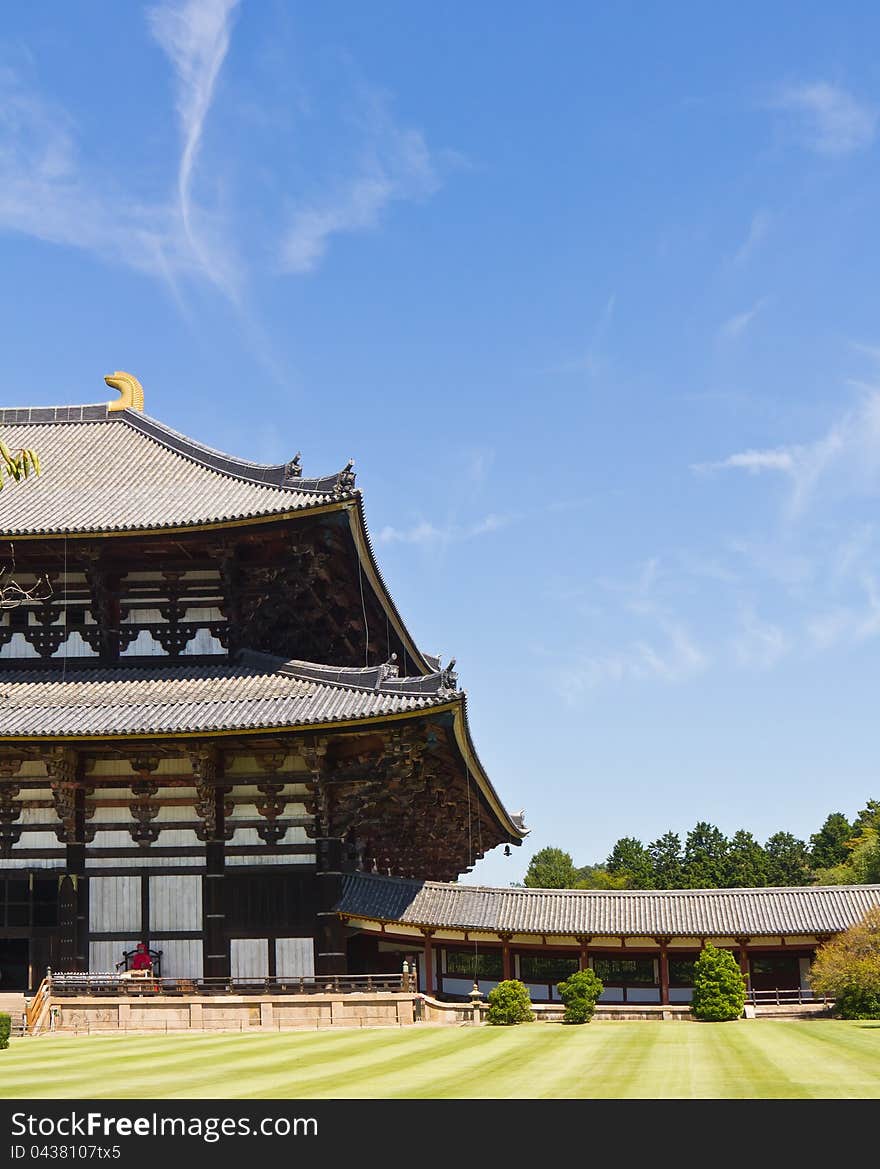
(839, 853)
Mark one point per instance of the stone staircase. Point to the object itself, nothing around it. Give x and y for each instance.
(13, 1004)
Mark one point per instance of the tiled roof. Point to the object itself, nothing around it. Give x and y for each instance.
(124, 471)
(675, 912)
(175, 699)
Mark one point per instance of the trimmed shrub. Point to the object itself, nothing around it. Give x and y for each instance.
(5, 1027)
(719, 987)
(847, 969)
(509, 1003)
(580, 993)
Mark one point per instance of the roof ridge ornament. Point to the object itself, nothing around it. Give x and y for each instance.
(130, 389)
(346, 477)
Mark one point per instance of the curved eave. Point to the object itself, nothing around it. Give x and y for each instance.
(475, 768)
(360, 534)
(266, 517)
(226, 732)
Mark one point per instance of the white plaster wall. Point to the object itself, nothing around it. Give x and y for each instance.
(18, 647)
(204, 642)
(144, 645)
(75, 647)
(146, 858)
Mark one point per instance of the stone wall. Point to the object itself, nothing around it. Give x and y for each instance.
(226, 1012)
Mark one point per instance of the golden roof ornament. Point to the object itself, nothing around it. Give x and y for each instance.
(130, 389)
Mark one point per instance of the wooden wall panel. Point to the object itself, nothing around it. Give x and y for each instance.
(115, 905)
(181, 958)
(103, 956)
(249, 957)
(294, 957)
(175, 903)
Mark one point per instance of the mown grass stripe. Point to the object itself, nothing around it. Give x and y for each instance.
(747, 1059)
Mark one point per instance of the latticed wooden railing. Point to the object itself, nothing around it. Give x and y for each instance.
(761, 998)
(74, 983)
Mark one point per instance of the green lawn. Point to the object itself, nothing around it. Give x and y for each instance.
(747, 1059)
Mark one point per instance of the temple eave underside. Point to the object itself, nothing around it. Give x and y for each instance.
(297, 586)
(391, 795)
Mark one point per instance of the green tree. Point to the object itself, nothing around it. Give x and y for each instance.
(667, 861)
(787, 860)
(629, 859)
(746, 862)
(598, 877)
(828, 845)
(862, 864)
(868, 817)
(509, 1003)
(847, 969)
(5, 1028)
(705, 857)
(551, 868)
(580, 993)
(719, 987)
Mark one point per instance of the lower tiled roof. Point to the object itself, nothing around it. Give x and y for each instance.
(601, 913)
(181, 699)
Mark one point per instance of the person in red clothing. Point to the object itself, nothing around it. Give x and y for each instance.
(142, 959)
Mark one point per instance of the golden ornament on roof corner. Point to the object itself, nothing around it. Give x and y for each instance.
(129, 387)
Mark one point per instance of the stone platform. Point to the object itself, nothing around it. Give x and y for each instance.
(216, 1012)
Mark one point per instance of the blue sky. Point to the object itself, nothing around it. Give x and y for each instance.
(589, 293)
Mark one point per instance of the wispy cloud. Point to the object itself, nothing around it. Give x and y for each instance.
(394, 164)
(195, 36)
(736, 325)
(848, 623)
(426, 532)
(758, 644)
(782, 459)
(830, 120)
(48, 192)
(850, 450)
(671, 655)
(758, 229)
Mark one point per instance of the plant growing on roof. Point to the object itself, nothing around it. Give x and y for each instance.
(580, 993)
(719, 987)
(509, 1003)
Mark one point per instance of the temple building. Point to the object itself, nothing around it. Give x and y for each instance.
(210, 709)
(218, 737)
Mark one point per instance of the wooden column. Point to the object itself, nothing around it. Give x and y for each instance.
(506, 965)
(211, 808)
(64, 768)
(429, 961)
(663, 943)
(583, 941)
(330, 946)
(743, 942)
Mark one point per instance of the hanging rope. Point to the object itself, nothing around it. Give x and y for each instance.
(364, 611)
(66, 596)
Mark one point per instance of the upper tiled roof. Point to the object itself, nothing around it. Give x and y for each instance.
(601, 913)
(258, 693)
(124, 471)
